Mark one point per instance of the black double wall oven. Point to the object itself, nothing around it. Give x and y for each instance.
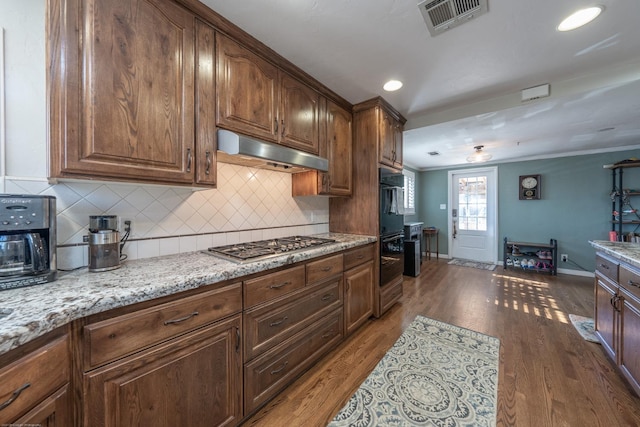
(391, 225)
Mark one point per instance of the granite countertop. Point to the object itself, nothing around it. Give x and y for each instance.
(36, 310)
(624, 251)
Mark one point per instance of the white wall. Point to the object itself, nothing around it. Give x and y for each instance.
(25, 87)
(248, 204)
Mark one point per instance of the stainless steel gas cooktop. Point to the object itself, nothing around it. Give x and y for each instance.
(255, 251)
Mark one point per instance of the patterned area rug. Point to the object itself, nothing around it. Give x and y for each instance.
(436, 374)
(473, 264)
(585, 327)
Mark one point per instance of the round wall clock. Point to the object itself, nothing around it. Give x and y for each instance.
(529, 187)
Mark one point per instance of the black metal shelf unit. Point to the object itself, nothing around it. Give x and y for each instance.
(544, 256)
(621, 200)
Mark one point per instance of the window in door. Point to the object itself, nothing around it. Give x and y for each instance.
(472, 203)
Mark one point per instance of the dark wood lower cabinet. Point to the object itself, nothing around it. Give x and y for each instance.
(358, 296)
(605, 318)
(193, 380)
(617, 315)
(269, 373)
(389, 295)
(630, 342)
(51, 412)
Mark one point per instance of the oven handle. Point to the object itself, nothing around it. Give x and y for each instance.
(392, 238)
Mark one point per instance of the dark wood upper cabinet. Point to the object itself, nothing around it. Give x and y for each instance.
(336, 144)
(390, 130)
(258, 99)
(299, 115)
(247, 97)
(121, 86)
(205, 102)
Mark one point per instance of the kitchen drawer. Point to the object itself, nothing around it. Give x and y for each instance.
(113, 338)
(270, 286)
(265, 376)
(267, 325)
(630, 280)
(607, 267)
(389, 294)
(358, 256)
(327, 267)
(31, 379)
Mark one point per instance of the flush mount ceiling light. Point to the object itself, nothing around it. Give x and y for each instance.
(479, 156)
(580, 18)
(392, 85)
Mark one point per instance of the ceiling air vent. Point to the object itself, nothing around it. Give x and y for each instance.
(443, 15)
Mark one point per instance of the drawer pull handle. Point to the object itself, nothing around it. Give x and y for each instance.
(182, 319)
(276, 371)
(207, 171)
(360, 256)
(327, 269)
(327, 297)
(189, 159)
(327, 335)
(632, 283)
(279, 321)
(279, 285)
(605, 266)
(14, 396)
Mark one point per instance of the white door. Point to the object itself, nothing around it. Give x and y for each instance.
(473, 214)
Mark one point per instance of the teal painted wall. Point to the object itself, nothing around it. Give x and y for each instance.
(575, 205)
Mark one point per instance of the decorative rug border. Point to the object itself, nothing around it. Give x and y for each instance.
(435, 374)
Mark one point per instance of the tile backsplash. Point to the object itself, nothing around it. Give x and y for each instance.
(248, 204)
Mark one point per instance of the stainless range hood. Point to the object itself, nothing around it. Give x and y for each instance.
(245, 151)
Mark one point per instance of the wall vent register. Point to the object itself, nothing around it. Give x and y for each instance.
(256, 251)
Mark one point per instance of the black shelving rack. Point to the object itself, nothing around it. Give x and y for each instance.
(528, 250)
(620, 197)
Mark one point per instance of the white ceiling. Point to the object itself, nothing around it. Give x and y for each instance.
(462, 88)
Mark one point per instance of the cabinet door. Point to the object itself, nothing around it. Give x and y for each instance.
(397, 143)
(339, 150)
(299, 115)
(247, 97)
(630, 340)
(358, 301)
(191, 381)
(605, 316)
(52, 412)
(386, 129)
(122, 91)
(206, 142)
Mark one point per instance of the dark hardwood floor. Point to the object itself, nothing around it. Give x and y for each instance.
(549, 375)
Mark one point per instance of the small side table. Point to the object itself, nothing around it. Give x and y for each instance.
(428, 233)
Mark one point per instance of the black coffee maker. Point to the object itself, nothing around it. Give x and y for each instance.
(27, 240)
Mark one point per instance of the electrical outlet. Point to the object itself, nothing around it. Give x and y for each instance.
(564, 257)
(125, 224)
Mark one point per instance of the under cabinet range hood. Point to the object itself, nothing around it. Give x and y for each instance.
(242, 150)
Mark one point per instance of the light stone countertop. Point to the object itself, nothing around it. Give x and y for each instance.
(624, 251)
(36, 310)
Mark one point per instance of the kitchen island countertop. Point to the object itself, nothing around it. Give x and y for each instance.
(36, 310)
(624, 251)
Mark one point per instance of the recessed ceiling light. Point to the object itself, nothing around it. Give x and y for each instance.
(392, 85)
(580, 18)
